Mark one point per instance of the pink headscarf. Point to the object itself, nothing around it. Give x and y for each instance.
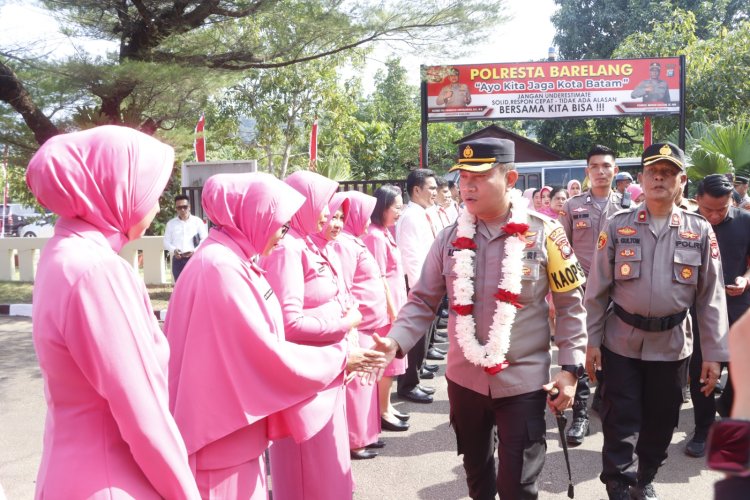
(635, 191)
(571, 182)
(249, 208)
(318, 191)
(108, 176)
(361, 208)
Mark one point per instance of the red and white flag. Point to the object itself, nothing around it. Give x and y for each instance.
(199, 145)
(314, 146)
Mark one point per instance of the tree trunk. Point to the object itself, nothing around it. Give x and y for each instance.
(14, 93)
(285, 160)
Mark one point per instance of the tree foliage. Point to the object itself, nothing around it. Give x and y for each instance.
(590, 29)
(166, 49)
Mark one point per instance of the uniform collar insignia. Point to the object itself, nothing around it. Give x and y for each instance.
(675, 220)
(642, 216)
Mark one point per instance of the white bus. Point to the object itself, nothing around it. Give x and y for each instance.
(536, 174)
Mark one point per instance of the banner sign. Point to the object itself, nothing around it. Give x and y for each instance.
(553, 89)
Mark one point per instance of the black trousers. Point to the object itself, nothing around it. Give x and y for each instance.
(416, 356)
(705, 408)
(516, 424)
(640, 409)
(177, 266)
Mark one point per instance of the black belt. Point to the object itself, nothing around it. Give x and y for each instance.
(650, 324)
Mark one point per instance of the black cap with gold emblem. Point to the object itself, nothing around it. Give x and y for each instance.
(664, 151)
(480, 155)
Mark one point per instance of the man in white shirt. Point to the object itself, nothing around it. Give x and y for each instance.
(446, 206)
(183, 235)
(415, 232)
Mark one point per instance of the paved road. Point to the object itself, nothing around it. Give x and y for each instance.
(418, 464)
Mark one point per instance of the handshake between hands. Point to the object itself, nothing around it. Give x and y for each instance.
(369, 364)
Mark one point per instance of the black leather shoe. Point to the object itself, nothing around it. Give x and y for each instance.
(433, 355)
(430, 368)
(440, 338)
(363, 454)
(427, 390)
(646, 492)
(401, 416)
(416, 396)
(376, 445)
(617, 490)
(578, 430)
(696, 447)
(439, 350)
(397, 426)
(426, 375)
(444, 313)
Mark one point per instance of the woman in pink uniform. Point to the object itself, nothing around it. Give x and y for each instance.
(231, 366)
(363, 278)
(109, 433)
(307, 287)
(382, 246)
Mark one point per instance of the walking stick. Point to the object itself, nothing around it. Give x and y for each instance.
(561, 423)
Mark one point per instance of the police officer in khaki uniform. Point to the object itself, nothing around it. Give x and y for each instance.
(516, 249)
(654, 261)
(454, 95)
(583, 218)
(654, 89)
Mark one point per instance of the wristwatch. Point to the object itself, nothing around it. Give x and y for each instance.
(576, 370)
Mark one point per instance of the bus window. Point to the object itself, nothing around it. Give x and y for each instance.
(533, 181)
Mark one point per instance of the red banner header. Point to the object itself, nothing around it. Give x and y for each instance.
(554, 89)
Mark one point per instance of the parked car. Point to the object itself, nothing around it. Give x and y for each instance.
(15, 216)
(43, 227)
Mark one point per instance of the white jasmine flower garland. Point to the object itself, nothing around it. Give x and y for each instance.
(491, 355)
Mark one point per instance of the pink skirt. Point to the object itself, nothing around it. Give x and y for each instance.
(246, 480)
(397, 366)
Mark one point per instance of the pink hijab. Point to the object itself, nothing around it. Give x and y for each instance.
(572, 182)
(360, 209)
(249, 208)
(318, 191)
(108, 176)
(336, 202)
(635, 191)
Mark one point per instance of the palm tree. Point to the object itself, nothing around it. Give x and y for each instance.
(718, 149)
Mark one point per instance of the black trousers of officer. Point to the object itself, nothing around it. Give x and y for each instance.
(705, 407)
(640, 410)
(521, 444)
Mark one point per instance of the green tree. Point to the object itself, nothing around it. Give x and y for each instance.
(590, 29)
(284, 102)
(170, 51)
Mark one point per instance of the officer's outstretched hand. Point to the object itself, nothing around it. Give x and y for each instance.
(387, 346)
(565, 383)
(593, 361)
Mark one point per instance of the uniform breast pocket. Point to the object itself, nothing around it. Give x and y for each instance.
(627, 262)
(529, 278)
(686, 266)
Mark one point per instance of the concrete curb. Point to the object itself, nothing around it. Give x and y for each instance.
(25, 310)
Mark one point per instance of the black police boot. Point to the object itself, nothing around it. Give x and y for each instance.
(580, 426)
(617, 490)
(645, 492)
